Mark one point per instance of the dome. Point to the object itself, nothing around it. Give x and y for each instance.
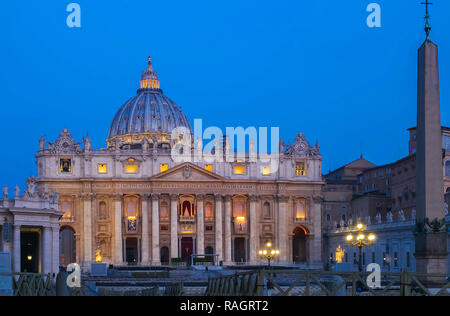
(147, 115)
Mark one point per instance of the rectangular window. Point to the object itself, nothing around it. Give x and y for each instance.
(300, 212)
(209, 168)
(395, 259)
(102, 168)
(239, 170)
(131, 168)
(300, 169)
(164, 167)
(408, 260)
(65, 166)
(266, 171)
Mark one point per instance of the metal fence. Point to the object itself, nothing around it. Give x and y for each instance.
(31, 284)
(326, 283)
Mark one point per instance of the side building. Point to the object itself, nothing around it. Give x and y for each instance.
(384, 199)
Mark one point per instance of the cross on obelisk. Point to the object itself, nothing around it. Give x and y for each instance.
(427, 17)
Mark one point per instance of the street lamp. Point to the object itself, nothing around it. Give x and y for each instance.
(269, 253)
(360, 241)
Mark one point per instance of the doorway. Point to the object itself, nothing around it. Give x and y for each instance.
(299, 250)
(239, 250)
(187, 248)
(132, 251)
(30, 251)
(165, 256)
(67, 246)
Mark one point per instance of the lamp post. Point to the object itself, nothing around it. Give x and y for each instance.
(360, 241)
(269, 253)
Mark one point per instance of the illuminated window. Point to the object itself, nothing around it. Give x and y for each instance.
(266, 171)
(102, 168)
(131, 160)
(300, 210)
(131, 168)
(65, 166)
(164, 167)
(209, 168)
(66, 208)
(239, 169)
(164, 212)
(300, 169)
(209, 211)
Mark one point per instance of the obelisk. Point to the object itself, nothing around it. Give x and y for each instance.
(431, 236)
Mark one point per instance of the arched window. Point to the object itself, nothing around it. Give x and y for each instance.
(300, 210)
(447, 168)
(164, 213)
(266, 210)
(209, 211)
(66, 208)
(131, 211)
(102, 211)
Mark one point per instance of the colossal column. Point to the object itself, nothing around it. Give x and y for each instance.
(47, 250)
(55, 249)
(16, 248)
(254, 234)
(118, 246)
(316, 210)
(200, 225)
(156, 258)
(218, 217)
(431, 240)
(145, 235)
(173, 226)
(282, 232)
(87, 228)
(228, 229)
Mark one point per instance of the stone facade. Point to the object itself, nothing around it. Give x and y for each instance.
(137, 205)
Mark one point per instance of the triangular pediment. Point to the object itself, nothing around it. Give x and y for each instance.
(187, 171)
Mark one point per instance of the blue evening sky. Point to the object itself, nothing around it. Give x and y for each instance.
(305, 66)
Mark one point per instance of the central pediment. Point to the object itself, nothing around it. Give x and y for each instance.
(187, 171)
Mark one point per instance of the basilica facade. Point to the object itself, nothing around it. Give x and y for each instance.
(133, 204)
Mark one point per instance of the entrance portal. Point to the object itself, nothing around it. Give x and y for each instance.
(187, 248)
(29, 252)
(239, 250)
(165, 256)
(299, 245)
(132, 250)
(67, 248)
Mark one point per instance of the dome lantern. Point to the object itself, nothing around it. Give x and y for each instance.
(150, 77)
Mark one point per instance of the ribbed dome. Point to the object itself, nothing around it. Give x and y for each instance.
(149, 112)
